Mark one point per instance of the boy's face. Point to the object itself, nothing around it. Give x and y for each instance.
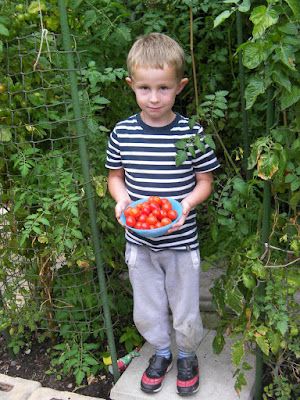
(155, 91)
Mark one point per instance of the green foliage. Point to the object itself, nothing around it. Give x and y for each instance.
(77, 358)
(272, 50)
(130, 338)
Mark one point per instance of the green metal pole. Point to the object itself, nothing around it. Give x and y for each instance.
(88, 186)
(265, 239)
(239, 26)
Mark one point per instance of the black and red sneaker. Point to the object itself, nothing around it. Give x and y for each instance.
(188, 376)
(155, 373)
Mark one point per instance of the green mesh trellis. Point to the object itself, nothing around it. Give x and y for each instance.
(49, 278)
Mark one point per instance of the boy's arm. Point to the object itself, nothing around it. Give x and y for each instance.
(117, 189)
(200, 193)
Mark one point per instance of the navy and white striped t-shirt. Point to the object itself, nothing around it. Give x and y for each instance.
(147, 155)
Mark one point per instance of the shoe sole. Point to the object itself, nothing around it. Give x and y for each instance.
(158, 389)
(188, 394)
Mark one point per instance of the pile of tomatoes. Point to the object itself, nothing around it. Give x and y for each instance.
(154, 213)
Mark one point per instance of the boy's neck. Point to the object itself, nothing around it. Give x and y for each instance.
(158, 123)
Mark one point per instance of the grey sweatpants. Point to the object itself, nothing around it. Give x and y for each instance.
(163, 278)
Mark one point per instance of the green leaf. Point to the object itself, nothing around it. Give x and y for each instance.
(79, 377)
(294, 6)
(245, 6)
(255, 87)
(5, 134)
(90, 360)
(241, 186)
(3, 30)
(234, 299)
(199, 143)
(249, 281)
(214, 232)
(274, 340)
(77, 233)
(180, 157)
(281, 79)
(263, 344)
(237, 351)
(289, 29)
(282, 326)
(259, 269)
(44, 221)
(125, 32)
(37, 230)
(218, 113)
(220, 18)
(90, 17)
(262, 18)
(240, 381)
(246, 366)
(287, 99)
(181, 144)
(254, 54)
(100, 100)
(209, 140)
(192, 151)
(69, 244)
(286, 54)
(74, 211)
(218, 343)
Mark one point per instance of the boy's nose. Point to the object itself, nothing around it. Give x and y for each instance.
(154, 96)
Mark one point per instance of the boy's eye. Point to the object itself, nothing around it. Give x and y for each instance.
(164, 88)
(144, 87)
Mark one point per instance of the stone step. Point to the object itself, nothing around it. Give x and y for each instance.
(216, 375)
(22, 389)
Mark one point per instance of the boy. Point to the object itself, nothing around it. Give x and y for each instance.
(163, 271)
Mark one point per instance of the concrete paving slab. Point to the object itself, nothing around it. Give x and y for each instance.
(16, 388)
(216, 376)
(50, 394)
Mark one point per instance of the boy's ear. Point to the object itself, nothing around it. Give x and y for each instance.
(181, 85)
(129, 81)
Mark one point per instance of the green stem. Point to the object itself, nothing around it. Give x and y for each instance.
(225, 150)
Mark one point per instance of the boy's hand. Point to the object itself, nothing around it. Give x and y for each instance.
(186, 208)
(120, 206)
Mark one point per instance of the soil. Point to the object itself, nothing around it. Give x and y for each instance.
(32, 366)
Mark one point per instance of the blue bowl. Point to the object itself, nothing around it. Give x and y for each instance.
(157, 231)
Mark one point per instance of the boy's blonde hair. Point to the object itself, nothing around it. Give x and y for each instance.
(155, 51)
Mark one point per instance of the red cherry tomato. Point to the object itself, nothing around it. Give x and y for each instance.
(146, 210)
(130, 221)
(163, 200)
(150, 199)
(166, 221)
(172, 214)
(134, 212)
(157, 200)
(138, 225)
(144, 225)
(153, 205)
(151, 220)
(156, 213)
(127, 211)
(163, 214)
(166, 206)
(158, 225)
(142, 218)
